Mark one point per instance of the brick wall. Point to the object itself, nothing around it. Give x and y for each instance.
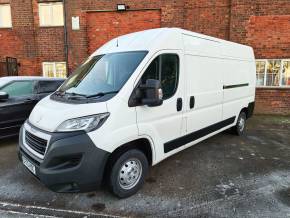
(263, 24)
(28, 42)
(269, 36)
(240, 21)
(171, 15)
(208, 17)
(19, 41)
(49, 41)
(272, 101)
(242, 10)
(104, 26)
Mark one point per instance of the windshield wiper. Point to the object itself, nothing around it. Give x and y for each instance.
(100, 94)
(75, 94)
(58, 93)
(72, 95)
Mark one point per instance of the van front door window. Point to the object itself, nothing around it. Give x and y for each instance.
(164, 68)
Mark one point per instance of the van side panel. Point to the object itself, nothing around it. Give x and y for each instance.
(201, 46)
(239, 84)
(119, 128)
(204, 84)
(220, 81)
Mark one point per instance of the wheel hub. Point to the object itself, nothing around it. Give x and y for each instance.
(241, 124)
(130, 173)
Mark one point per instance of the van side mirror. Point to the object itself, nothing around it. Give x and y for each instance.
(4, 96)
(152, 93)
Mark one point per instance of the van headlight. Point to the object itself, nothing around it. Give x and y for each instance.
(88, 123)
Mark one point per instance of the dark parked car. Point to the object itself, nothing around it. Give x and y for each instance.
(18, 96)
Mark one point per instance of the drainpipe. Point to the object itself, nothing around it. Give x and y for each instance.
(230, 20)
(65, 37)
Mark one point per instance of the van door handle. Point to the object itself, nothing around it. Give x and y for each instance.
(191, 102)
(179, 104)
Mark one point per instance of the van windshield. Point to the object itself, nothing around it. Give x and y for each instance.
(102, 74)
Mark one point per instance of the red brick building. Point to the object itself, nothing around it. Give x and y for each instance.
(49, 36)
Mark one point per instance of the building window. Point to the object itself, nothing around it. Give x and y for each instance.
(51, 14)
(54, 69)
(285, 76)
(5, 16)
(273, 72)
(260, 72)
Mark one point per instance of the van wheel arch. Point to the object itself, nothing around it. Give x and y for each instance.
(249, 111)
(141, 144)
(245, 110)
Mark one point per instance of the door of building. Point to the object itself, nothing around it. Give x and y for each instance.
(9, 67)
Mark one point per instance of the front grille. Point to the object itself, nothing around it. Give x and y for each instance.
(34, 142)
(27, 156)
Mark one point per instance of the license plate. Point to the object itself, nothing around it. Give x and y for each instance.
(29, 165)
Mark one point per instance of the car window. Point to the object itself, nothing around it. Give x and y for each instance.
(164, 68)
(3, 83)
(48, 86)
(19, 88)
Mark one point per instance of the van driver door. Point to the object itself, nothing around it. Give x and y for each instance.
(164, 123)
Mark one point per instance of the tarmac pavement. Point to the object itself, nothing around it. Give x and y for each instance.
(224, 176)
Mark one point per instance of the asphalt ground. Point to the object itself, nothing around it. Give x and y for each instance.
(224, 176)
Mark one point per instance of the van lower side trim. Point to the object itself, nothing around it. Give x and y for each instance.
(176, 143)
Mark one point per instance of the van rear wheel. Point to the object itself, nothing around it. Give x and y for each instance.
(239, 128)
(128, 173)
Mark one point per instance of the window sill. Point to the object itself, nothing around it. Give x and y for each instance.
(6, 28)
(62, 26)
(272, 87)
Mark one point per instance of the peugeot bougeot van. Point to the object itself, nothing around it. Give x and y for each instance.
(137, 100)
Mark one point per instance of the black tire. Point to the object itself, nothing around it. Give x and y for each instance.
(240, 126)
(115, 178)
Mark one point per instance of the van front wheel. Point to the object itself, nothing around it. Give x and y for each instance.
(128, 173)
(239, 128)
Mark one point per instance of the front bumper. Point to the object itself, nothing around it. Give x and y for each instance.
(71, 163)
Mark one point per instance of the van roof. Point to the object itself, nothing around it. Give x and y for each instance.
(171, 38)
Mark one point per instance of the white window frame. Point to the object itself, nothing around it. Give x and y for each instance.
(54, 67)
(282, 62)
(8, 26)
(50, 13)
(280, 72)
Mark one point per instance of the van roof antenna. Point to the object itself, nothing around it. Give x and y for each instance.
(117, 42)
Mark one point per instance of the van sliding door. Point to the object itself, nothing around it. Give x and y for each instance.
(204, 96)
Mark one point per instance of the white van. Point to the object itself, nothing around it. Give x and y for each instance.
(137, 100)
